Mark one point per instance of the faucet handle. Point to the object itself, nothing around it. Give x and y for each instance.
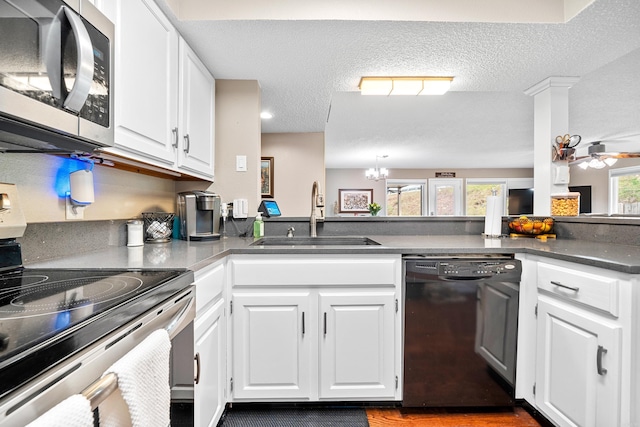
(290, 231)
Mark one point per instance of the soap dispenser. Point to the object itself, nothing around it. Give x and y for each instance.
(258, 226)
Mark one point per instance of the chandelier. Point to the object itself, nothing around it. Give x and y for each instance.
(377, 173)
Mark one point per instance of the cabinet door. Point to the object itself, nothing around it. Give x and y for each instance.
(146, 81)
(578, 366)
(210, 348)
(357, 345)
(197, 113)
(271, 345)
(497, 327)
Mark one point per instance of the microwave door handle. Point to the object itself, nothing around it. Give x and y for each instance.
(84, 73)
(74, 99)
(53, 55)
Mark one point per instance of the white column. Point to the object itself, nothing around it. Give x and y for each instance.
(551, 118)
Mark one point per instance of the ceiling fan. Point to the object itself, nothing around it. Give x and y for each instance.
(598, 157)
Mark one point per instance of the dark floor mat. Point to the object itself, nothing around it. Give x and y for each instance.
(295, 417)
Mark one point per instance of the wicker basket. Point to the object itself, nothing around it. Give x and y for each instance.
(158, 226)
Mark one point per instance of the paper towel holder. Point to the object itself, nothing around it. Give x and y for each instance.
(81, 192)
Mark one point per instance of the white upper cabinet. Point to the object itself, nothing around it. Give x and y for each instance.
(164, 95)
(197, 113)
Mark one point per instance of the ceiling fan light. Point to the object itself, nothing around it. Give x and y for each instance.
(583, 165)
(610, 161)
(596, 164)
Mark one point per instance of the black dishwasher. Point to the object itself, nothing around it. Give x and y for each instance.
(461, 315)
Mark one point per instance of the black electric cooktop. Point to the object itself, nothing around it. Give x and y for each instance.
(47, 316)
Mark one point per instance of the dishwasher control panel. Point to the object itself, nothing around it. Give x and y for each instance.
(464, 268)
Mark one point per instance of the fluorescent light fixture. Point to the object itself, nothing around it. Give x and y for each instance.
(404, 85)
(266, 115)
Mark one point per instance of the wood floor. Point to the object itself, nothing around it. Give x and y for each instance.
(441, 418)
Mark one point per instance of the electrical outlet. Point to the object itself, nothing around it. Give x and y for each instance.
(74, 212)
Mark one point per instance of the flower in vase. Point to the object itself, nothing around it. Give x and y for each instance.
(374, 208)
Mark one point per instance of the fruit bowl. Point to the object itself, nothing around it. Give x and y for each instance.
(531, 225)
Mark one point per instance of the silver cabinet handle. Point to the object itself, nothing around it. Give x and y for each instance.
(601, 351)
(303, 323)
(196, 380)
(576, 289)
(175, 137)
(187, 143)
(73, 100)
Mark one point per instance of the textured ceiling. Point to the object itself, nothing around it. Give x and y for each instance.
(309, 71)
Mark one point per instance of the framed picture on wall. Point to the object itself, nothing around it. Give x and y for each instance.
(266, 176)
(354, 201)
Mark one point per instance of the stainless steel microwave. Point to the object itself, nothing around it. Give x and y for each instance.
(56, 68)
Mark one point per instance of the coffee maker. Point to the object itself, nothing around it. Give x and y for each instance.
(199, 213)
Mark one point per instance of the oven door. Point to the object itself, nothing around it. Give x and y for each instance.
(55, 66)
(84, 370)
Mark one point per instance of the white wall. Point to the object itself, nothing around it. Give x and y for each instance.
(237, 133)
(298, 162)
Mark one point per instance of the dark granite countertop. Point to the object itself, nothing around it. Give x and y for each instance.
(196, 255)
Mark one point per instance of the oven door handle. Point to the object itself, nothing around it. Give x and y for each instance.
(184, 317)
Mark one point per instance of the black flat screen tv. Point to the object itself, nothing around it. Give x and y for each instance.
(520, 201)
(585, 197)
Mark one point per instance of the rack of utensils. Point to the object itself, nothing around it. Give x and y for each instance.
(564, 147)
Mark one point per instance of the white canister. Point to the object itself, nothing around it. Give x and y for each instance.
(135, 236)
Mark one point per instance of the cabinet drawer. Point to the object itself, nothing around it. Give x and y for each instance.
(209, 286)
(594, 290)
(310, 271)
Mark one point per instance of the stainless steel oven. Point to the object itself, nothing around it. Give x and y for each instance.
(60, 329)
(56, 67)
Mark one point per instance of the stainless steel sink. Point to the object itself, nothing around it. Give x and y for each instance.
(315, 241)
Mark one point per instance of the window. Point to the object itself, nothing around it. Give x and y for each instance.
(405, 197)
(445, 196)
(479, 189)
(624, 191)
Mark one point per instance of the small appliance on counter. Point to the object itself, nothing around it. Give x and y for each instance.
(199, 213)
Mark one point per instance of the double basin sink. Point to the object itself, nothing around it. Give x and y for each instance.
(315, 241)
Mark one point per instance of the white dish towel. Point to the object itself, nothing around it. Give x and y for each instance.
(143, 383)
(74, 411)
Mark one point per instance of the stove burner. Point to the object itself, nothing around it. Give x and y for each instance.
(35, 296)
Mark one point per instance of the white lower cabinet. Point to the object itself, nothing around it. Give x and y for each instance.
(357, 345)
(324, 339)
(584, 345)
(209, 345)
(271, 345)
(578, 374)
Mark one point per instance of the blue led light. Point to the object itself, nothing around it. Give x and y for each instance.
(62, 176)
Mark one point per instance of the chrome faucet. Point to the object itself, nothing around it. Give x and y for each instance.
(317, 201)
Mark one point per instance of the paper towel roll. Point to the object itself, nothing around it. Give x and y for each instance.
(493, 217)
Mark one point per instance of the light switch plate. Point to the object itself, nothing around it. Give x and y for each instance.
(241, 163)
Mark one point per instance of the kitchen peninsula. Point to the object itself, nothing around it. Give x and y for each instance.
(604, 309)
